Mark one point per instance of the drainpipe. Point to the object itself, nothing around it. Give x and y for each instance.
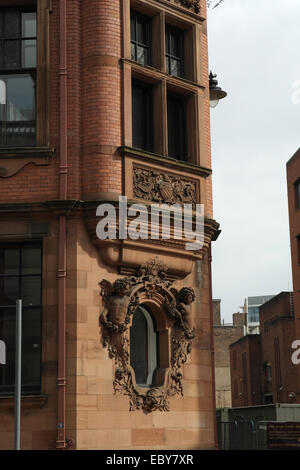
(62, 265)
(212, 346)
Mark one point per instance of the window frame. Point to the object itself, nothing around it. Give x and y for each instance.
(147, 23)
(43, 9)
(26, 389)
(152, 353)
(149, 113)
(182, 102)
(169, 29)
(20, 70)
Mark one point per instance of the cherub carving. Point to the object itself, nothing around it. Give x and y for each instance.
(116, 300)
(181, 311)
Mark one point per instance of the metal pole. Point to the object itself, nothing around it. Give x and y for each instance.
(18, 373)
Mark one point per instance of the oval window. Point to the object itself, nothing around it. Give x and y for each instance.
(143, 347)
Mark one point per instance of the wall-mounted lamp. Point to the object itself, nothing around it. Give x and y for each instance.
(215, 92)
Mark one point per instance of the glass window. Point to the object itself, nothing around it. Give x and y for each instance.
(143, 347)
(17, 77)
(21, 278)
(140, 38)
(176, 127)
(253, 314)
(142, 116)
(175, 51)
(297, 194)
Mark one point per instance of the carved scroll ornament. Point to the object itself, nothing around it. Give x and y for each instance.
(121, 300)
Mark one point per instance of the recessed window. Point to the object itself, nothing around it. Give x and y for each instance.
(143, 347)
(298, 248)
(177, 140)
(140, 38)
(17, 77)
(297, 194)
(21, 278)
(175, 51)
(142, 116)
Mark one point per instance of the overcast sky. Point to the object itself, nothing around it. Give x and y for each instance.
(254, 47)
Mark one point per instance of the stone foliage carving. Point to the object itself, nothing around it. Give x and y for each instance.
(161, 187)
(191, 4)
(120, 301)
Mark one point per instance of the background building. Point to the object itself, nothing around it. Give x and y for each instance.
(224, 335)
(253, 303)
(293, 187)
(262, 371)
(109, 98)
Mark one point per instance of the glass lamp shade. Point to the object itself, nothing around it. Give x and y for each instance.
(213, 103)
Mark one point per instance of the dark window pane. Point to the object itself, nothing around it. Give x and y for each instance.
(175, 44)
(12, 24)
(29, 53)
(175, 68)
(11, 54)
(31, 290)
(18, 111)
(174, 51)
(9, 261)
(132, 28)
(9, 290)
(29, 25)
(31, 349)
(176, 127)
(139, 347)
(133, 52)
(31, 260)
(1, 24)
(142, 31)
(8, 334)
(28, 288)
(140, 38)
(297, 189)
(141, 117)
(142, 55)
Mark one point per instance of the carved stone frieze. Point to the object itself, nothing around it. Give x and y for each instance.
(161, 187)
(121, 299)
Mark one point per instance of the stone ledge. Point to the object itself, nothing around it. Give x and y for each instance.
(167, 162)
(13, 159)
(28, 402)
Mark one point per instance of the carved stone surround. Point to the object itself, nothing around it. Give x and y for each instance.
(149, 287)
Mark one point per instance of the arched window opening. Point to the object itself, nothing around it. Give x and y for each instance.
(143, 347)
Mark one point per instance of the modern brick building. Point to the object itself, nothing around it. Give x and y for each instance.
(262, 371)
(224, 335)
(102, 98)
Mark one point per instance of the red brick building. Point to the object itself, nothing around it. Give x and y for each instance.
(224, 335)
(293, 186)
(262, 370)
(102, 98)
(245, 370)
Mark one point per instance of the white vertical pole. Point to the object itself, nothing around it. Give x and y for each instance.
(18, 373)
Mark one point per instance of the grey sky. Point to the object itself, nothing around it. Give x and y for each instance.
(254, 49)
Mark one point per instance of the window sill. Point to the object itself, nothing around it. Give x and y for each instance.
(13, 159)
(28, 402)
(166, 161)
(158, 74)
